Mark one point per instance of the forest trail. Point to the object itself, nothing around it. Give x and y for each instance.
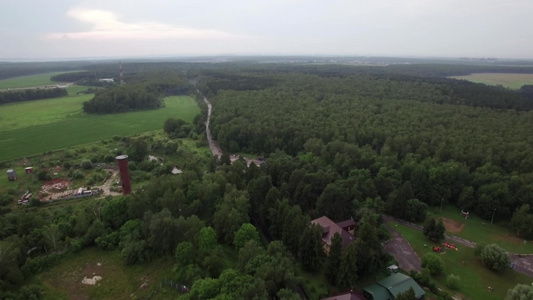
(212, 144)
(215, 148)
(106, 187)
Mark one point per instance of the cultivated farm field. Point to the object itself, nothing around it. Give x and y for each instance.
(40, 126)
(508, 80)
(28, 81)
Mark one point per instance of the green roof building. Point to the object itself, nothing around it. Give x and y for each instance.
(387, 288)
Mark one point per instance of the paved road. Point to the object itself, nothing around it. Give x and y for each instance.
(523, 263)
(402, 251)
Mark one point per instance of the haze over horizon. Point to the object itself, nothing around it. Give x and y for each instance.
(96, 28)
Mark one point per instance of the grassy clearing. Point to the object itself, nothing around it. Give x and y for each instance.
(64, 127)
(28, 81)
(40, 112)
(508, 80)
(482, 231)
(118, 280)
(475, 278)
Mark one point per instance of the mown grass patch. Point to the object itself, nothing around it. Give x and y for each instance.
(475, 278)
(28, 81)
(75, 128)
(119, 281)
(40, 112)
(508, 80)
(482, 231)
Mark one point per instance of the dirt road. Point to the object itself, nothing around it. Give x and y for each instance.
(215, 149)
(212, 144)
(106, 187)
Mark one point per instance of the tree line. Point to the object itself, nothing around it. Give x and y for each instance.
(30, 94)
(142, 91)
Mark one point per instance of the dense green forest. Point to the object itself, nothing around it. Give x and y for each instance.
(395, 137)
(30, 94)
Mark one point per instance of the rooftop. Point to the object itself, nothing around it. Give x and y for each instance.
(330, 228)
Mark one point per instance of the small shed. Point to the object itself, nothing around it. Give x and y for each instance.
(11, 174)
(29, 170)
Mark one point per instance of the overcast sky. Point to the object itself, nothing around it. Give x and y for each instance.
(46, 29)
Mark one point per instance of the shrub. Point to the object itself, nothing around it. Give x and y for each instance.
(76, 174)
(43, 175)
(452, 281)
(86, 164)
(495, 258)
(39, 264)
(433, 263)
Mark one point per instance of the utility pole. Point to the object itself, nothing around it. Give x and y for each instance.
(492, 219)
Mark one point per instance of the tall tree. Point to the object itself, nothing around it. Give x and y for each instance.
(369, 249)
(246, 233)
(334, 259)
(434, 230)
(311, 251)
(335, 203)
(348, 271)
(231, 214)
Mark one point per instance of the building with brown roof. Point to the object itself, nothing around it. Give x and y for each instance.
(330, 228)
(352, 295)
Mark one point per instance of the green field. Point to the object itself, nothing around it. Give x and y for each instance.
(481, 231)
(118, 281)
(508, 80)
(28, 81)
(39, 126)
(475, 278)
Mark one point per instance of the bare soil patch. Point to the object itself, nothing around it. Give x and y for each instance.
(453, 226)
(511, 238)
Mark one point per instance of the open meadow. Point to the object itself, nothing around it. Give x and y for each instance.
(475, 278)
(508, 80)
(118, 281)
(28, 81)
(478, 230)
(40, 126)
